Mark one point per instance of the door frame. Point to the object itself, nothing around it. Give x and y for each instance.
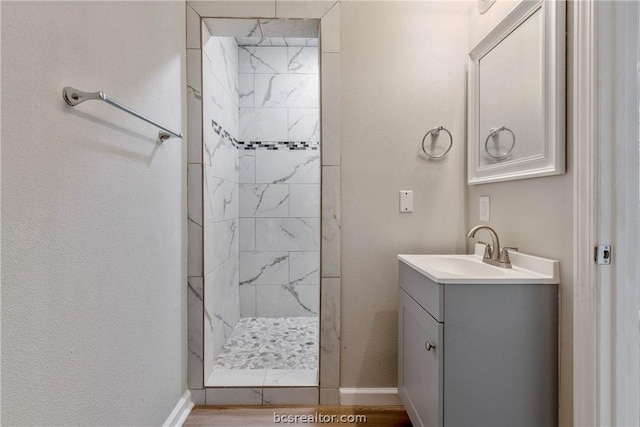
(606, 375)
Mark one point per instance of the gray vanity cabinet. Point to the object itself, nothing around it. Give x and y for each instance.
(477, 354)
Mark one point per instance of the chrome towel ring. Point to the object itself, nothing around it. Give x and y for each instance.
(493, 132)
(436, 132)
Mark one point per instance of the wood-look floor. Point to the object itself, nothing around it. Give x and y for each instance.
(262, 416)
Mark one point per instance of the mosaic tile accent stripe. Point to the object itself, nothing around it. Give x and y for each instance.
(279, 145)
(264, 145)
(218, 130)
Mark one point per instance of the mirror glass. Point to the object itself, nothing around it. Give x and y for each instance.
(511, 96)
(516, 97)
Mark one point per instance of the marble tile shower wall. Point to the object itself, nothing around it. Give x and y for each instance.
(221, 202)
(279, 181)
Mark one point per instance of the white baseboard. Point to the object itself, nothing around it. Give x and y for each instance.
(369, 396)
(180, 411)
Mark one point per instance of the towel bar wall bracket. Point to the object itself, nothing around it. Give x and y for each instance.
(74, 97)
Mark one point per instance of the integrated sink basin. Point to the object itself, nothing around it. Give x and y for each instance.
(469, 269)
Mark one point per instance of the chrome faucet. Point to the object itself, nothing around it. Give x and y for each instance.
(492, 253)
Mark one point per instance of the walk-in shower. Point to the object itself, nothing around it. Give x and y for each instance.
(261, 201)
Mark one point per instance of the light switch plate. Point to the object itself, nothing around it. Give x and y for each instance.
(406, 201)
(485, 208)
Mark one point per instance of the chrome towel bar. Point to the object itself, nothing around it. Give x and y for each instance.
(74, 97)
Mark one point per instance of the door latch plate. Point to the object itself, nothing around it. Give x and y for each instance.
(603, 254)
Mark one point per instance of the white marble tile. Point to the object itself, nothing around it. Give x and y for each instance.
(247, 234)
(213, 330)
(215, 106)
(288, 166)
(198, 397)
(330, 109)
(253, 41)
(331, 227)
(264, 268)
(194, 69)
(290, 27)
(287, 300)
(194, 251)
(264, 200)
(304, 268)
(231, 313)
(300, 41)
(290, 396)
(330, 334)
(219, 107)
(216, 291)
(231, 50)
(286, 90)
(195, 300)
(221, 241)
(218, 337)
(231, 275)
(329, 396)
(234, 396)
(193, 29)
(236, 377)
(194, 193)
(233, 27)
(221, 198)
(304, 124)
(291, 377)
(262, 59)
(304, 200)
(221, 156)
(263, 124)
(219, 54)
(287, 234)
(225, 241)
(245, 90)
(246, 166)
(330, 30)
(247, 301)
(278, 41)
(194, 126)
(302, 60)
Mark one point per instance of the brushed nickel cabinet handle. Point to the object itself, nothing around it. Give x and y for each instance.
(429, 346)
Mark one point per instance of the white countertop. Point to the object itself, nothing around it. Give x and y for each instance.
(469, 269)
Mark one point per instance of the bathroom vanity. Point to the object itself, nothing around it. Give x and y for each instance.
(478, 344)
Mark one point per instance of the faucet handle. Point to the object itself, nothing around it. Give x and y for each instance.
(504, 255)
(488, 250)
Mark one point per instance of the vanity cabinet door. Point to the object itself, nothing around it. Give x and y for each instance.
(420, 363)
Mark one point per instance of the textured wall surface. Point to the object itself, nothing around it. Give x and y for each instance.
(398, 82)
(93, 238)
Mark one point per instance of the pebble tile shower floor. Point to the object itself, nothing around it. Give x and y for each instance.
(271, 343)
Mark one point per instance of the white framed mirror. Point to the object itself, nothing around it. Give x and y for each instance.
(517, 96)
